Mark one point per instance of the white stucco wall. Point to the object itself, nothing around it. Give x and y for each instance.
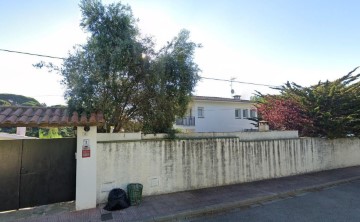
(244, 136)
(219, 116)
(164, 166)
(118, 136)
(268, 135)
(86, 175)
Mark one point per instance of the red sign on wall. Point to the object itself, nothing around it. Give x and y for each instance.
(85, 153)
(86, 148)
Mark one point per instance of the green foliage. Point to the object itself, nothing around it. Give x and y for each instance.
(258, 97)
(17, 100)
(333, 107)
(174, 76)
(66, 131)
(49, 133)
(43, 133)
(119, 73)
(10, 130)
(4, 103)
(32, 131)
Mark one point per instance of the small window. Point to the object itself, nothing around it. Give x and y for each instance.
(245, 113)
(238, 113)
(253, 113)
(200, 112)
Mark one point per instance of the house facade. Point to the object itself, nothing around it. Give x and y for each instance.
(216, 114)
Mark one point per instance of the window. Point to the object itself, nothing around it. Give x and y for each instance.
(200, 112)
(253, 113)
(238, 113)
(245, 113)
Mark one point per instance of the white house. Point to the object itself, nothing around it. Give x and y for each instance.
(215, 114)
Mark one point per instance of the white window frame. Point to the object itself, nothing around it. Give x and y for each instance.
(237, 113)
(200, 112)
(245, 113)
(253, 113)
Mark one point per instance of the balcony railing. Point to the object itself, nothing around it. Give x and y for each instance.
(186, 121)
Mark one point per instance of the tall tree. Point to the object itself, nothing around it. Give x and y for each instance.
(332, 107)
(173, 77)
(118, 71)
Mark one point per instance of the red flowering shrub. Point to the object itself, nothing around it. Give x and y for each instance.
(283, 114)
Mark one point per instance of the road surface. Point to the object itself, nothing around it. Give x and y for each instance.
(340, 203)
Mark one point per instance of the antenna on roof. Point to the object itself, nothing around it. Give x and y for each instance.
(231, 85)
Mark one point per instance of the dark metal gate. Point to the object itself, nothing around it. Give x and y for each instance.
(36, 172)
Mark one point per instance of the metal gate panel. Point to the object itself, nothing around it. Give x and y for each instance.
(34, 173)
(63, 171)
(48, 172)
(10, 162)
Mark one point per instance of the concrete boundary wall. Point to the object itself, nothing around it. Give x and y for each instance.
(103, 137)
(244, 136)
(165, 166)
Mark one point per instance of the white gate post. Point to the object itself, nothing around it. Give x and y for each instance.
(86, 167)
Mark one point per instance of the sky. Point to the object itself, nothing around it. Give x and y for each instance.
(265, 42)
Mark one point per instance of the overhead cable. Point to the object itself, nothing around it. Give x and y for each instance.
(208, 78)
(227, 80)
(32, 54)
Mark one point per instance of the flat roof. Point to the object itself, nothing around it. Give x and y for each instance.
(220, 99)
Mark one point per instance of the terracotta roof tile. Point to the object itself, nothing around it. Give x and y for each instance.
(45, 116)
(57, 112)
(64, 118)
(75, 118)
(34, 120)
(6, 111)
(11, 119)
(18, 112)
(28, 112)
(55, 119)
(23, 120)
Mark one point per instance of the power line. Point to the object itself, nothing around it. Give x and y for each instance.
(224, 80)
(32, 54)
(249, 83)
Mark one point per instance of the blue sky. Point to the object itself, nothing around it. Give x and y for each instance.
(268, 42)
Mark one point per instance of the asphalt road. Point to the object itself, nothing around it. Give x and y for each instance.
(340, 203)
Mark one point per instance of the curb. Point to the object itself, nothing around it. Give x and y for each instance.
(218, 208)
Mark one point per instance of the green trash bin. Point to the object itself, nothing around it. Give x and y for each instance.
(134, 193)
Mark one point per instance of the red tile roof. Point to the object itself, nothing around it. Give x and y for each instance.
(17, 116)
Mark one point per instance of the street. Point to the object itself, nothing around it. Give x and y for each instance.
(340, 203)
